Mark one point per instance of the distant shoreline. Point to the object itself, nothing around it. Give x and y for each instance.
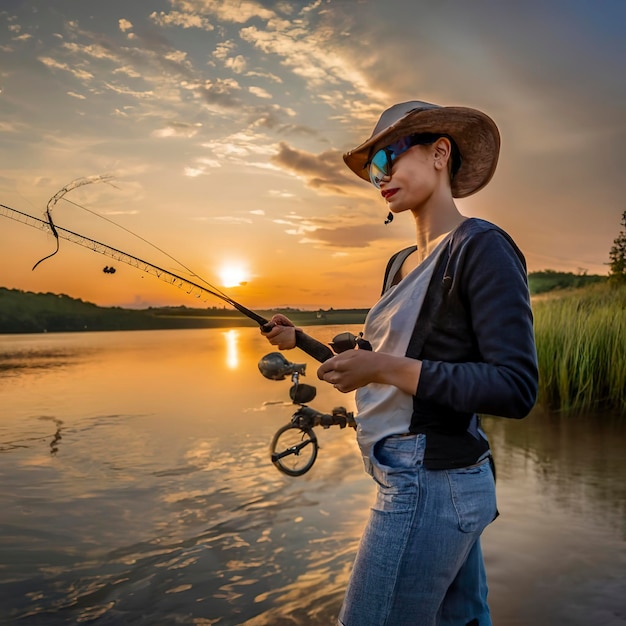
(27, 312)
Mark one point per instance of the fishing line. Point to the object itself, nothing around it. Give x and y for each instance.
(78, 182)
(105, 178)
(130, 232)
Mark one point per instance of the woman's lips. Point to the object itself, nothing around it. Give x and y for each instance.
(387, 193)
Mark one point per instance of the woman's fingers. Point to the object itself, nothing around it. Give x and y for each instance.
(281, 320)
(281, 336)
(349, 370)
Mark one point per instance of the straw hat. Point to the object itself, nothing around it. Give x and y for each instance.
(475, 134)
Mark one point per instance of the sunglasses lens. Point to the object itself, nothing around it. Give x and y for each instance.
(380, 165)
(379, 168)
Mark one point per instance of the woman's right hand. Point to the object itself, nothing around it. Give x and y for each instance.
(282, 333)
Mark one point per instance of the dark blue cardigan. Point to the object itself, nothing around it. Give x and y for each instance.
(475, 338)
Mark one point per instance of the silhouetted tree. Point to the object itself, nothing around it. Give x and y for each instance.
(617, 255)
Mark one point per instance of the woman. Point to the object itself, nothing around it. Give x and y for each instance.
(451, 337)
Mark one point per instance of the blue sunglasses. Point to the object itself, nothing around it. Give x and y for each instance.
(380, 164)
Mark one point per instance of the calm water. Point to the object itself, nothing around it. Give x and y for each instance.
(136, 488)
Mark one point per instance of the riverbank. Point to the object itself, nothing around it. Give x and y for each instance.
(581, 340)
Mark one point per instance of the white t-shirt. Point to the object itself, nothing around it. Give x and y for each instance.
(384, 410)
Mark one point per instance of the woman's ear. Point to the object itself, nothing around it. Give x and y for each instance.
(442, 149)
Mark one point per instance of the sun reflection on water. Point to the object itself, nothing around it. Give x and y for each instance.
(232, 352)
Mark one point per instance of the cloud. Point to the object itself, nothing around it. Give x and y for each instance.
(223, 49)
(313, 54)
(340, 231)
(236, 64)
(259, 92)
(193, 172)
(243, 148)
(304, 57)
(220, 92)
(267, 75)
(277, 193)
(237, 147)
(356, 236)
(323, 172)
(271, 116)
(226, 219)
(97, 50)
(150, 56)
(126, 91)
(178, 129)
(310, 51)
(201, 166)
(57, 65)
(12, 127)
(166, 69)
(238, 12)
(124, 25)
(128, 71)
(170, 78)
(182, 19)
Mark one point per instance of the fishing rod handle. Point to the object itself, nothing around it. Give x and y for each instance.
(318, 350)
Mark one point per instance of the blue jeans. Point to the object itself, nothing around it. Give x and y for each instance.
(419, 562)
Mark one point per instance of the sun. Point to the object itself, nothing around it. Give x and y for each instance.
(233, 275)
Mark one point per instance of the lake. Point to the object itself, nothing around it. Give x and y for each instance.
(136, 488)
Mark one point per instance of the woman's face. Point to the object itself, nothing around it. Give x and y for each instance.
(413, 179)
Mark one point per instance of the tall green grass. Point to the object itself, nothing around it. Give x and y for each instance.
(581, 347)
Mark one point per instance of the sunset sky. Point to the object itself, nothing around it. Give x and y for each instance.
(222, 125)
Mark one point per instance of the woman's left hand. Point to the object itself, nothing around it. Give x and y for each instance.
(356, 368)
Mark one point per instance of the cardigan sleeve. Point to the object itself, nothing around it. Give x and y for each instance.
(503, 380)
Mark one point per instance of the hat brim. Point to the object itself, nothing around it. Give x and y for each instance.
(475, 134)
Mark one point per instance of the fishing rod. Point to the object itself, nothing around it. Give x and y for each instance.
(312, 347)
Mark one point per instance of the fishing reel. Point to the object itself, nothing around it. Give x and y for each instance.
(347, 341)
(275, 366)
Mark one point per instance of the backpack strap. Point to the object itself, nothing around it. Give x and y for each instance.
(393, 266)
